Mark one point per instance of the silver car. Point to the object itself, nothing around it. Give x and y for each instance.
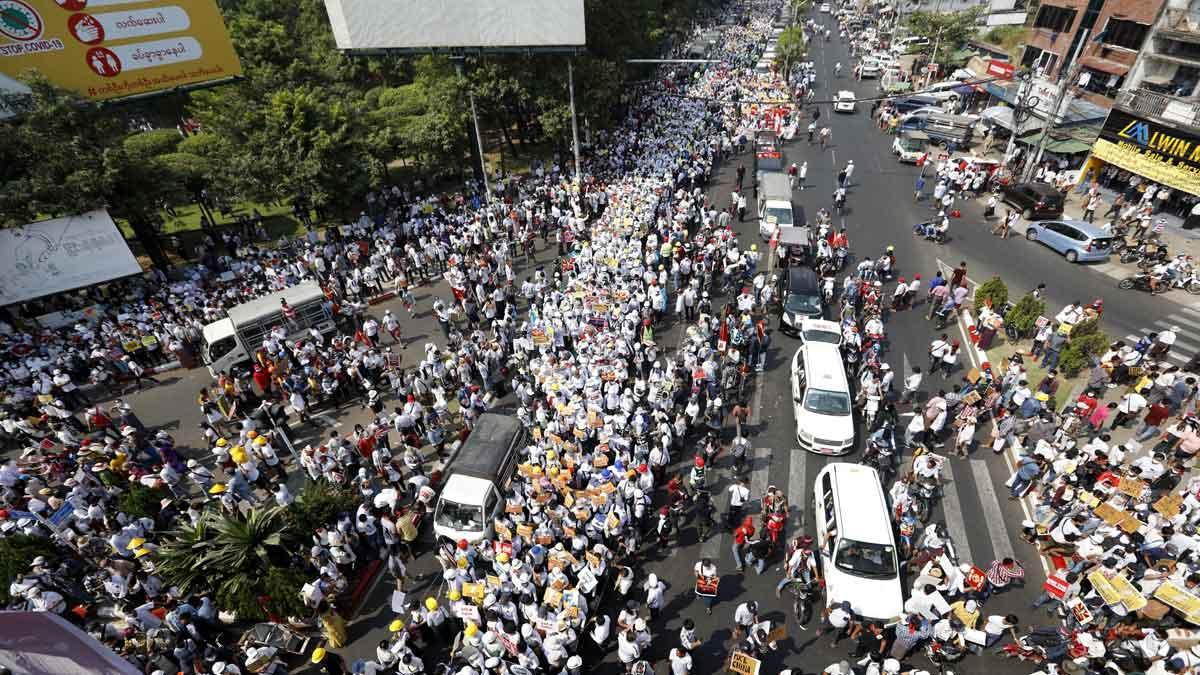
(1077, 240)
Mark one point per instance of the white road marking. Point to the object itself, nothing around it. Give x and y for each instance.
(993, 515)
(760, 477)
(952, 508)
(797, 475)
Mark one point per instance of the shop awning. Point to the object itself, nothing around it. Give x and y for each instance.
(1104, 65)
(1002, 116)
(1070, 141)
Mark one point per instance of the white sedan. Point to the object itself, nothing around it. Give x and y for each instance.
(844, 102)
(825, 8)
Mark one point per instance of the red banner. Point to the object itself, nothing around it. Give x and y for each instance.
(1001, 69)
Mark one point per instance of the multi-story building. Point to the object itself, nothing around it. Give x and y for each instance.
(1153, 130)
(1106, 35)
(999, 12)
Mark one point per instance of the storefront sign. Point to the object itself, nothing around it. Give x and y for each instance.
(1151, 150)
(1001, 69)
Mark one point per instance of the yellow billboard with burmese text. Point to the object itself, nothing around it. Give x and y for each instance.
(107, 49)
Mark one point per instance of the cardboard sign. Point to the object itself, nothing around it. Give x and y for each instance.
(1056, 587)
(608, 488)
(493, 581)
(552, 597)
(1131, 597)
(1130, 524)
(1169, 506)
(525, 531)
(468, 612)
(1132, 487)
(976, 579)
(600, 461)
(743, 664)
(612, 522)
(572, 612)
(779, 633)
(1110, 514)
(503, 532)
(587, 580)
(569, 531)
(1089, 499)
(707, 586)
(514, 509)
(1173, 595)
(474, 591)
(1104, 588)
(544, 539)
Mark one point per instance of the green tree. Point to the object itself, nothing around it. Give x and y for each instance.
(1024, 315)
(993, 291)
(318, 505)
(1085, 343)
(16, 555)
(231, 555)
(66, 156)
(946, 31)
(790, 48)
(140, 501)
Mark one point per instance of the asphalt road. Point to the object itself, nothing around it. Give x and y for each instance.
(982, 522)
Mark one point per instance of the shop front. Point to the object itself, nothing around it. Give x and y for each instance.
(1130, 146)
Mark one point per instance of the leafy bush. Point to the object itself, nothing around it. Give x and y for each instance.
(1024, 315)
(1086, 341)
(994, 290)
(16, 554)
(282, 585)
(140, 501)
(319, 505)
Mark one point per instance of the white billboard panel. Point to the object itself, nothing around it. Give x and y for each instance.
(51, 256)
(444, 24)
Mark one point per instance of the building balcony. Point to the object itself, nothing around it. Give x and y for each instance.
(1180, 24)
(1170, 110)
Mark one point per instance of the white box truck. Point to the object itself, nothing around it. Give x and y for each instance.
(233, 340)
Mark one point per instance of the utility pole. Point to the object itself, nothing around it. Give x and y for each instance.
(1020, 112)
(487, 189)
(1066, 76)
(574, 123)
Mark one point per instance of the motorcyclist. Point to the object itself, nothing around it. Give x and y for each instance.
(1160, 273)
(801, 564)
(837, 69)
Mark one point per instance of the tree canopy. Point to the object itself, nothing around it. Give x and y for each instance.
(946, 31)
(309, 121)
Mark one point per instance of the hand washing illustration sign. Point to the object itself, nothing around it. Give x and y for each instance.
(51, 256)
(104, 49)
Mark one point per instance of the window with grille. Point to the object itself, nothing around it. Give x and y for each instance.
(1127, 34)
(1058, 19)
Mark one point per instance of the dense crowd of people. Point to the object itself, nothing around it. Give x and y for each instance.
(565, 577)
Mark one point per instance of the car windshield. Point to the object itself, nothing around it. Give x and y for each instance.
(826, 402)
(822, 336)
(781, 216)
(457, 516)
(802, 304)
(877, 561)
(912, 144)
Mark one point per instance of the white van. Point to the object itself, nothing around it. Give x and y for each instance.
(471, 499)
(856, 543)
(909, 44)
(821, 400)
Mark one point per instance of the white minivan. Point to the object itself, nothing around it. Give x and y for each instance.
(856, 542)
(821, 399)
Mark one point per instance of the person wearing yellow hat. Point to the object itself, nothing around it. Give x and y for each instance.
(252, 434)
(454, 596)
(135, 543)
(216, 489)
(396, 626)
(471, 630)
(438, 622)
(329, 661)
(260, 441)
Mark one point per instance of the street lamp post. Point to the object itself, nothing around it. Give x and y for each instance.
(1066, 76)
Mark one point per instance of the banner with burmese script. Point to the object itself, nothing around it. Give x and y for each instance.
(108, 49)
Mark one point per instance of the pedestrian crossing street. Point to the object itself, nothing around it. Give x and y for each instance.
(971, 505)
(1186, 344)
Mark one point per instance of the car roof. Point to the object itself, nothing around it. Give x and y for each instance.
(465, 489)
(1090, 229)
(801, 276)
(860, 484)
(820, 324)
(488, 447)
(1044, 188)
(831, 378)
(844, 94)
